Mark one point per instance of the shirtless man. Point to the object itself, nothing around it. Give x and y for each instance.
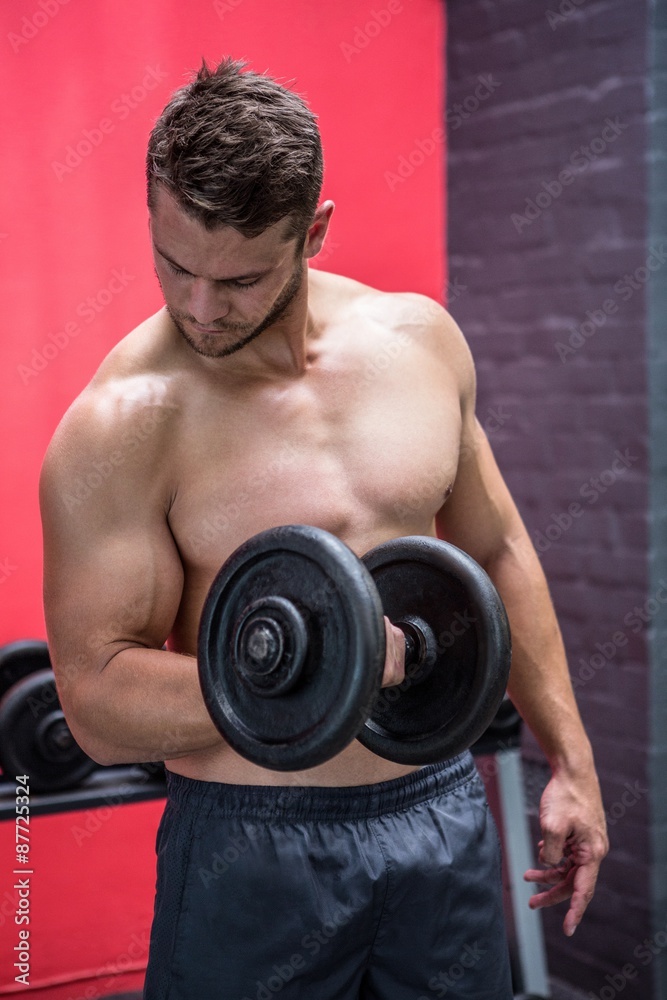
(266, 393)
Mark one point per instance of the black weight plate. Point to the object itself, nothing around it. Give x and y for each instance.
(35, 739)
(18, 659)
(345, 647)
(506, 722)
(504, 733)
(428, 720)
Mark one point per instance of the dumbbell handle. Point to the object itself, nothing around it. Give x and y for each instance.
(412, 652)
(420, 645)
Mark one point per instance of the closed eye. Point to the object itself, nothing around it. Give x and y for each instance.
(176, 270)
(231, 281)
(241, 284)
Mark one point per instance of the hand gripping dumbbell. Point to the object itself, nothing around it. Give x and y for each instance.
(291, 649)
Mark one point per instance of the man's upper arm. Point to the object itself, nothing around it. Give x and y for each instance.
(112, 574)
(480, 516)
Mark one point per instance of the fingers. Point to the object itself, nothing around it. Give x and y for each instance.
(552, 847)
(394, 666)
(573, 845)
(567, 881)
(545, 876)
(558, 894)
(561, 880)
(585, 878)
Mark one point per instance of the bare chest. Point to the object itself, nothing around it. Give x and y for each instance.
(365, 459)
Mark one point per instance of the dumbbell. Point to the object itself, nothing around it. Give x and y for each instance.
(34, 736)
(291, 649)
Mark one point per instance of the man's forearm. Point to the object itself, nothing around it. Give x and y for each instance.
(539, 683)
(145, 705)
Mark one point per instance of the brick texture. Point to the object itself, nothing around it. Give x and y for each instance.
(539, 259)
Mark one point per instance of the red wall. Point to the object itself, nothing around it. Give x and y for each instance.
(91, 902)
(373, 72)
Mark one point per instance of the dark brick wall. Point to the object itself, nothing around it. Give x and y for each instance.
(550, 284)
(657, 335)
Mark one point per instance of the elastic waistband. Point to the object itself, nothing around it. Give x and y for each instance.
(291, 803)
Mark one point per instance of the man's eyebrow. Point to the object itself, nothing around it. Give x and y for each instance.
(239, 277)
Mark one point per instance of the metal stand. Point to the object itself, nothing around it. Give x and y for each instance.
(531, 956)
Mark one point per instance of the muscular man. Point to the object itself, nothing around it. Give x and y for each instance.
(266, 393)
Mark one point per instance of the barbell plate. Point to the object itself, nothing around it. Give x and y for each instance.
(35, 738)
(20, 658)
(334, 595)
(432, 719)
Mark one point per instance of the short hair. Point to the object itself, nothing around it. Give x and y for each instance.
(238, 149)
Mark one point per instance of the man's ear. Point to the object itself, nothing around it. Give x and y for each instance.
(318, 229)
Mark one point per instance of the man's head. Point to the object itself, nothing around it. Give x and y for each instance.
(237, 149)
(234, 173)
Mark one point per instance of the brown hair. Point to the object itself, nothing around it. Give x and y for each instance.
(238, 149)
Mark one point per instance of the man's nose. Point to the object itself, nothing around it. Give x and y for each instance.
(207, 304)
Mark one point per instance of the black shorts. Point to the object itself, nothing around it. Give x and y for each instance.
(389, 891)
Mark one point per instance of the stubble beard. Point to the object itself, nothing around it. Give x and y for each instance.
(208, 346)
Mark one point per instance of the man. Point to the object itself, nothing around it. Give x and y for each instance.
(265, 393)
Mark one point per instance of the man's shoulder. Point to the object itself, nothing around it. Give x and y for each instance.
(142, 351)
(410, 324)
(416, 317)
(394, 308)
(129, 398)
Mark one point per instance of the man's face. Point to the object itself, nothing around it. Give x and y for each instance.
(221, 289)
